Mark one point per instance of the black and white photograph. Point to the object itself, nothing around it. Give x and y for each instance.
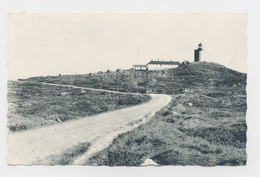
(127, 89)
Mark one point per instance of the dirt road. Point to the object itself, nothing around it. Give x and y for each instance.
(30, 146)
(88, 88)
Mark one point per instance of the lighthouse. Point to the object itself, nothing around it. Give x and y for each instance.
(197, 54)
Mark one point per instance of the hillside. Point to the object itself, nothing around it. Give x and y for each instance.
(170, 81)
(205, 124)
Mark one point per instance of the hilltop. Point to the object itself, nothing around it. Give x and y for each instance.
(171, 81)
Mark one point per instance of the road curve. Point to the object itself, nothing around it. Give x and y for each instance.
(25, 148)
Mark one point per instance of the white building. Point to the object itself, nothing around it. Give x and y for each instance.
(157, 65)
(161, 65)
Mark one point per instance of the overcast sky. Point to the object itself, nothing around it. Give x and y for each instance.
(79, 43)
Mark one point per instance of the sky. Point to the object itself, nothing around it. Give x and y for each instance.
(41, 44)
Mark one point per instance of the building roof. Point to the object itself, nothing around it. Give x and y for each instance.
(164, 62)
(139, 66)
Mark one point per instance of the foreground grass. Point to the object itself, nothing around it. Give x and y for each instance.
(67, 156)
(32, 105)
(183, 135)
(204, 125)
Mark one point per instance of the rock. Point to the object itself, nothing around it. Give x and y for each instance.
(58, 120)
(185, 63)
(64, 93)
(83, 91)
(148, 162)
(186, 90)
(178, 109)
(11, 104)
(190, 104)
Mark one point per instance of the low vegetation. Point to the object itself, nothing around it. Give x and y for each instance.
(32, 105)
(205, 124)
(67, 156)
(183, 135)
(172, 81)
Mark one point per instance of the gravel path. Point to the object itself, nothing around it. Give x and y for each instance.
(28, 147)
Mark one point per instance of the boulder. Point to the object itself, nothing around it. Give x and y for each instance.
(190, 104)
(178, 109)
(148, 162)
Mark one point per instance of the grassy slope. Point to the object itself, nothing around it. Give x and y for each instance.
(205, 125)
(212, 131)
(213, 76)
(181, 135)
(33, 105)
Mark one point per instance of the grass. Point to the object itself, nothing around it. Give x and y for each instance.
(173, 137)
(171, 81)
(205, 124)
(67, 156)
(33, 105)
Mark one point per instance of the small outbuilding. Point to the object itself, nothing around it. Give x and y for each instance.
(139, 67)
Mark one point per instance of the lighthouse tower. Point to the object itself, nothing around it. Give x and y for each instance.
(197, 54)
